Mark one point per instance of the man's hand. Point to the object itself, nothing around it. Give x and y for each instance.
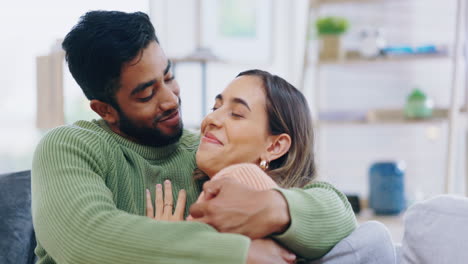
(268, 251)
(231, 207)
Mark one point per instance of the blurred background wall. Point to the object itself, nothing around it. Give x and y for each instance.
(345, 151)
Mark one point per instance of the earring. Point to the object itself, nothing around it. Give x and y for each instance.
(264, 165)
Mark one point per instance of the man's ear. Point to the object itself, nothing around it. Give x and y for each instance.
(105, 110)
(279, 146)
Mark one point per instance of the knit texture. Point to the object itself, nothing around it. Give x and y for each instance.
(88, 204)
(88, 201)
(320, 214)
(247, 174)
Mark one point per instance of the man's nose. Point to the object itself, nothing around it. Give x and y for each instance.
(169, 100)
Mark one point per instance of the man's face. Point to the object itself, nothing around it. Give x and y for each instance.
(149, 100)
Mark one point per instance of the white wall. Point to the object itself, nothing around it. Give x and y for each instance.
(28, 29)
(176, 29)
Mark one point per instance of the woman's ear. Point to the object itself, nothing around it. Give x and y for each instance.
(279, 146)
(105, 110)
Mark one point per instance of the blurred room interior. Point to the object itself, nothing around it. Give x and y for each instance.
(385, 80)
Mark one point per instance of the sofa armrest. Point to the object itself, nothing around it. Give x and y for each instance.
(369, 243)
(436, 231)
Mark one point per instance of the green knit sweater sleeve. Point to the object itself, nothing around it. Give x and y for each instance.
(321, 216)
(76, 219)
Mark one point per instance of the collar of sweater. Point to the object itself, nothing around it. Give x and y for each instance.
(147, 152)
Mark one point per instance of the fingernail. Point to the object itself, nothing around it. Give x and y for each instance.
(167, 181)
(158, 185)
(147, 191)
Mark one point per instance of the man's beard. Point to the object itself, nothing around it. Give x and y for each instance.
(150, 136)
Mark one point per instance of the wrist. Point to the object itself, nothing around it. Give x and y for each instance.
(279, 212)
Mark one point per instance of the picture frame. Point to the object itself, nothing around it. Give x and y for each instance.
(238, 31)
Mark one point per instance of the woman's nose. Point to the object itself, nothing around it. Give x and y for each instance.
(213, 119)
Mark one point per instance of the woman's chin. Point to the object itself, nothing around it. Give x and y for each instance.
(205, 165)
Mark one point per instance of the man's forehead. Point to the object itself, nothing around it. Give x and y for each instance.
(144, 71)
(151, 54)
(150, 61)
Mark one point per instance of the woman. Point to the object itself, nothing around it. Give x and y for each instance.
(260, 133)
(259, 119)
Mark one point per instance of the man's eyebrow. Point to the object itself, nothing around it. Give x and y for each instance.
(142, 86)
(219, 97)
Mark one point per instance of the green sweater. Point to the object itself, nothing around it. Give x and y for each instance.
(88, 204)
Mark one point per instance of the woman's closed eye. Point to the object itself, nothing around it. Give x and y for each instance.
(169, 79)
(236, 115)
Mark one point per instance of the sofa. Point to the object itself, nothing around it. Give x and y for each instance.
(436, 231)
(17, 241)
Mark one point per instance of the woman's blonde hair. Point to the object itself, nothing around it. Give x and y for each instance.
(288, 112)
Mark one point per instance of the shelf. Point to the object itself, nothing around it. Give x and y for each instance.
(379, 116)
(200, 55)
(394, 58)
(322, 2)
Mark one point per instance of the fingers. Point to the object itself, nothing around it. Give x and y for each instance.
(213, 187)
(210, 190)
(168, 201)
(168, 193)
(205, 220)
(164, 203)
(159, 202)
(197, 210)
(180, 208)
(149, 205)
(287, 256)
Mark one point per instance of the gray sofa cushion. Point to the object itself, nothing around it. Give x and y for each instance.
(370, 243)
(17, 241)
(436, 231)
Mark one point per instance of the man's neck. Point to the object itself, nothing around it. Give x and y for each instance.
(115, 128)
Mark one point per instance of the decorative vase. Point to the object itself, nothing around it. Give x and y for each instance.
(386, 183)
(418, 105)
(330, 47)
(372, 42)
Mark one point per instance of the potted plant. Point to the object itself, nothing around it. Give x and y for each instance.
(329, 30)
(418, 105)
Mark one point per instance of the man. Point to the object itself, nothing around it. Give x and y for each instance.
(89, 179)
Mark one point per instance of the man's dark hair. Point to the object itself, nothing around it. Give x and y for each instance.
(98, 46)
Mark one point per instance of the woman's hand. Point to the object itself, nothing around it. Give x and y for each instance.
(268, 251)
(164, 205)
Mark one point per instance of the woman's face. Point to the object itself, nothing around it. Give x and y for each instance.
(237, 129)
